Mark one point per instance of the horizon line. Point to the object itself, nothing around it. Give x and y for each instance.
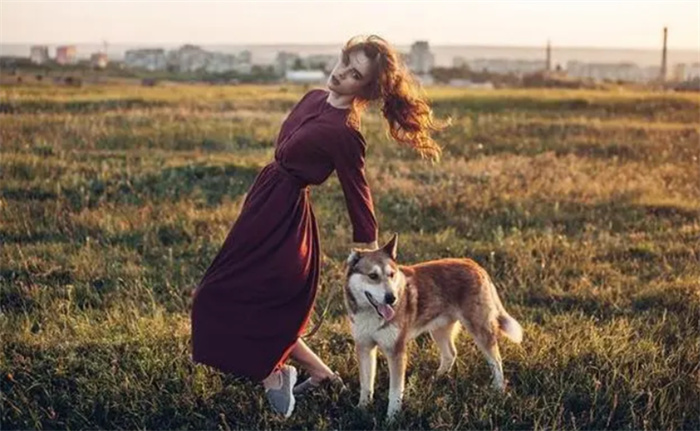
(266, 44)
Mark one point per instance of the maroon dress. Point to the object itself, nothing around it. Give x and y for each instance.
(256, 297)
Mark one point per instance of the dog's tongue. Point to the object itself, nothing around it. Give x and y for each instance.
(386, 311)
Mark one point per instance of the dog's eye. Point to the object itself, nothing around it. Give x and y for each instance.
(373, 276)
(391, 275)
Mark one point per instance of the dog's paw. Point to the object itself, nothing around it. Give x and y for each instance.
(364, 403)
(391, 416)
(442, 372)
(499, 387)
(442, 379)
(393, 410)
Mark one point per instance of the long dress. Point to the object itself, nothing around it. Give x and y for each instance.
(256, 297)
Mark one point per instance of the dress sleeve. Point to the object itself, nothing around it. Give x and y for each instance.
(349, 161)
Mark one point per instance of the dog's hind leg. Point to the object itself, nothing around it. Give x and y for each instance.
(444, 337)
(489, 346)
(485, 338)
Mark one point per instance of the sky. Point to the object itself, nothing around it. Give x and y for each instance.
(586, 23)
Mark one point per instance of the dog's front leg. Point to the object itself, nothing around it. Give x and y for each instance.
(397, 375)
(367, 358)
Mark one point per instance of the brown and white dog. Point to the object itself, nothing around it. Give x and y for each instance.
(388, 305)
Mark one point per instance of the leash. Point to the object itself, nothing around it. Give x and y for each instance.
(317, 326)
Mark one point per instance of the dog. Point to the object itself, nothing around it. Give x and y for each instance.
(389, 304)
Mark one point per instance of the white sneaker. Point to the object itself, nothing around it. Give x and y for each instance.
(282, 399)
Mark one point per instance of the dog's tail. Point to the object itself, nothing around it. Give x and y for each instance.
(506, 323)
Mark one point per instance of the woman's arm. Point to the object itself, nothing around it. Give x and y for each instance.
(349, 161)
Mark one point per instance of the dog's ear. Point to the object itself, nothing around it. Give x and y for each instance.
(353, 259)
(391, 246)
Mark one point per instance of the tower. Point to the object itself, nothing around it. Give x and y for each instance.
(662, 76)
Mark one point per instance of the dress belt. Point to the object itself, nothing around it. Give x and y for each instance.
(294, 179)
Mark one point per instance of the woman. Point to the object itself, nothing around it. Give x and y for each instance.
(254, 300)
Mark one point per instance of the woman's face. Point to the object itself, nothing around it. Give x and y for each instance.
(350, 75)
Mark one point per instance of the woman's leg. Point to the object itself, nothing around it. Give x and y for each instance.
(310, 362)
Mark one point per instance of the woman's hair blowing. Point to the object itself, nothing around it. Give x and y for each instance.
(407, 113)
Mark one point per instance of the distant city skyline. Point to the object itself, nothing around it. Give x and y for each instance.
(608, 24)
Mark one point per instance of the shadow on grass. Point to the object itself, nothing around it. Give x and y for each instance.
(77, 106)
(35, 237)
(208, 185)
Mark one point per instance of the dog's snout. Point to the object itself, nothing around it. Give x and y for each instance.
(389, 298)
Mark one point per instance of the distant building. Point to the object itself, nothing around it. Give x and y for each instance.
(66, 54)
(692, 72)
(244, 62)
(323, 62)
(420, 59)
(39, 54)
(149, 59)
(305, 76)
(686, 72)
(245, 57)
(99, 60)
(678, 72)
(629, 72)
(243, 68)
(466, 83)
(285, 61)
(648, 73)
(502, 66)
(219, 63)
(189, 58)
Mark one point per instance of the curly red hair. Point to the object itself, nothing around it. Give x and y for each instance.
(404, 105)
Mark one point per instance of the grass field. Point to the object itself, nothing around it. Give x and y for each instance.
(584, 206)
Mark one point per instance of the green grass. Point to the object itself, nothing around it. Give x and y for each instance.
(583, 205)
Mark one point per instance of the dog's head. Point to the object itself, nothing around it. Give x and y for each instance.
(374, 280)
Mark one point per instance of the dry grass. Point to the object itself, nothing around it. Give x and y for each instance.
(584, 206)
